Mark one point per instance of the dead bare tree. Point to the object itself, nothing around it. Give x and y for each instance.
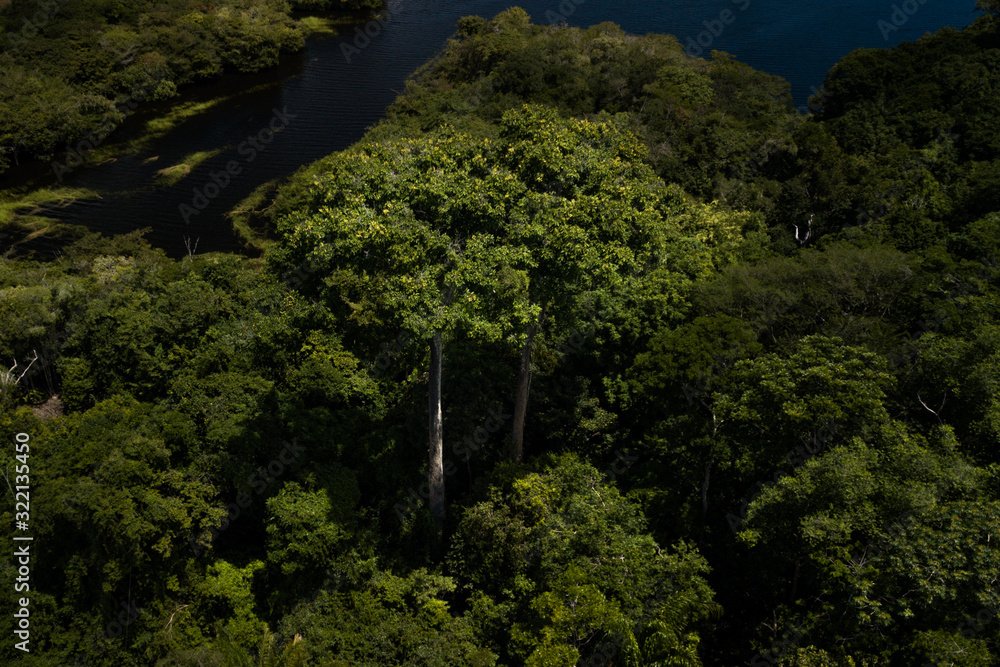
(191, 249)
(7, 378)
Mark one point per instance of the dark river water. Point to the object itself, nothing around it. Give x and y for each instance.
(327, 102)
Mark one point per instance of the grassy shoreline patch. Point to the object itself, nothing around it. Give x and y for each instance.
(250, 221)
(22, 213)
(174, 174)
(322, 26)
(154, 128)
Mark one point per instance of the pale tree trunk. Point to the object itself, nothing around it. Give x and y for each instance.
(435, 474)
(521, 399)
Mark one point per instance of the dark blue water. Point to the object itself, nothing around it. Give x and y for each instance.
(798, 40)
(329, 100)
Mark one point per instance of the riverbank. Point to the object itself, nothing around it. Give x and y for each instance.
(335, 100)
(25, 216)
(41, 188)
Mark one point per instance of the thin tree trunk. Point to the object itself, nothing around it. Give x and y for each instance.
(521, 400)
(435, 474)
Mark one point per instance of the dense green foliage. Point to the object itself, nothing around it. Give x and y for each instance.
(740, 446)
(71, 70)
(707, 123)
